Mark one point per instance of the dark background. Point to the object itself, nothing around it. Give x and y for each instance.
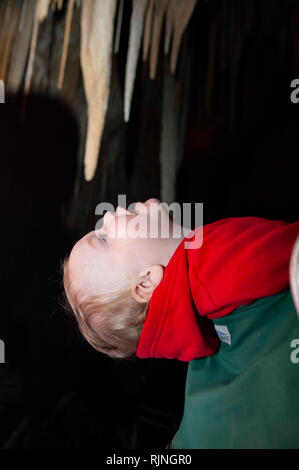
(240, 157)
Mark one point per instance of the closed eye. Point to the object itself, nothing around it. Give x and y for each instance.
(102, 236)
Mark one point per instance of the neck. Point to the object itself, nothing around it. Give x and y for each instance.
(177, 234)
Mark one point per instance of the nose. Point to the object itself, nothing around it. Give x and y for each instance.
(108, 217)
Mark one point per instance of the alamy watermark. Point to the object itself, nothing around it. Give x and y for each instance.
(151, 219)
(295, 353)
(2, 352)
(2, 92)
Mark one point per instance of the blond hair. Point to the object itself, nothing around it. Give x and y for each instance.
(112, 325)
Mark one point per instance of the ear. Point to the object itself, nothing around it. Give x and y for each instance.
(145, 285)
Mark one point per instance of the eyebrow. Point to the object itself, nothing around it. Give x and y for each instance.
(91, 238)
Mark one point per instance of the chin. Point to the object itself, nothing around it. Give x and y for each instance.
(153, 200)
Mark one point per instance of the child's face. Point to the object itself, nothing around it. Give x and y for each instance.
(98, 264)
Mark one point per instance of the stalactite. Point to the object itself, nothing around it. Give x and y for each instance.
(21, 48)
(183, 14)
(136, 29)
(18, 49)
(119, 25)
(160, 8)
(6, 12)
(23, 14)
(68, 24)
(174, 118)
(14, 9)
(170, 15)
(59, 4)
(31, 54)
(97, 22)
(2, 10)
(148, 29)
(41, 11)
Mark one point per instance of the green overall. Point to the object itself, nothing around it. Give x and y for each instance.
(247, 394)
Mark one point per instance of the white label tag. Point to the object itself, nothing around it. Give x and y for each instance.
(223, 333)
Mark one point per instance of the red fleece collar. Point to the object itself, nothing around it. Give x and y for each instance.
(171, 329)
(240, 260)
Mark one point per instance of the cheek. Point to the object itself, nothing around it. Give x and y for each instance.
(130, 228)
(156, 226)
(120, 229)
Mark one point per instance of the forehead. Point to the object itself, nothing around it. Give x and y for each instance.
(88, 263)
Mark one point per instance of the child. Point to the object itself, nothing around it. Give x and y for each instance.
(153, 297)
(110, 276)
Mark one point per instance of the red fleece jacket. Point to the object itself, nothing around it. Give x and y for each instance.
(240, 260)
